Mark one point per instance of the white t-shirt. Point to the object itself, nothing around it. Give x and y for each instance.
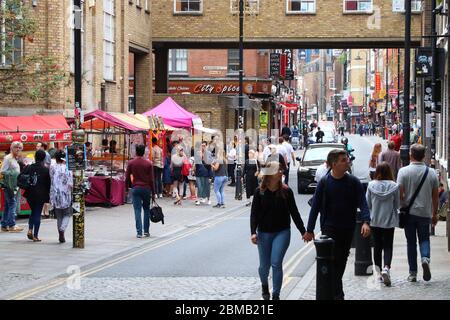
(321, 172)
(231, 156)
(289, 151)
(282, 150)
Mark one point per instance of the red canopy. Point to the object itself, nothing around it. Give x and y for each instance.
(34, 129)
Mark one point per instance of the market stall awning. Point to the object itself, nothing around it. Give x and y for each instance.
(99, 120)
(172, 114)
(35, 128)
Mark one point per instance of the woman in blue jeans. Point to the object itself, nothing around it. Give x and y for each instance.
(219, 166)
(270, 221)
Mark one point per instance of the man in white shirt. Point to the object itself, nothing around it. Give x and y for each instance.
(289, 155)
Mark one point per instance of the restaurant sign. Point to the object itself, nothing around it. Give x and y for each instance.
(219, 87)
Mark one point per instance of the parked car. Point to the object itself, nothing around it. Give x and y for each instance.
(313, 157)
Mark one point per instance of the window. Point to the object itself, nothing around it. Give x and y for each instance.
(250, 6)
(399, 5)
(108, 40)
(188, 6)
(11, 48)
(331, 84)
(72, 36)
(178, 61)
(301, 6)
(357, 5)
(233, 61)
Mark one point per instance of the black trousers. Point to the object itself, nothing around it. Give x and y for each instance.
(231, 167)
(383, 241)
(158, 180)
(342, 244)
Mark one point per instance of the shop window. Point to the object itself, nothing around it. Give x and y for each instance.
(399, 5)
(178, 60)
(11, 48)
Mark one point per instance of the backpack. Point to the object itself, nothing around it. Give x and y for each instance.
(27, 180)
(186, 167)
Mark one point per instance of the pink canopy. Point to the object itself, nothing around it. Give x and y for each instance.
(172, 114)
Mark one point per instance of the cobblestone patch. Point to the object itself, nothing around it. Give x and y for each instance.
(12, 280)
(157, 288)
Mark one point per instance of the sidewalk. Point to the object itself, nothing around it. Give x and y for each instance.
(108, 232)
(367, 288)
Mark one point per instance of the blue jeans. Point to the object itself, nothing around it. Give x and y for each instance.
(34, 222)
(9, 214)
(219, 185)
(141, 200)
(272, 247)
(421, 227)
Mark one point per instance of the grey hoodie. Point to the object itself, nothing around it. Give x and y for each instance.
(383, 199)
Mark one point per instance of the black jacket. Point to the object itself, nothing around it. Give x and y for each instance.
(40, 193)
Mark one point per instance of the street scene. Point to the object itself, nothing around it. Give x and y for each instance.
(182, 150)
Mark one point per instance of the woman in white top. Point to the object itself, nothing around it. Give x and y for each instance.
(231, 157)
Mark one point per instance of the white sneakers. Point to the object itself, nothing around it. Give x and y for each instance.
(385, 275)
(426, 269)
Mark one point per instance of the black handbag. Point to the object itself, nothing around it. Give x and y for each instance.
(404, 211)
(156, 213)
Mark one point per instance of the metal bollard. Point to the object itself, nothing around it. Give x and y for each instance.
(363, 253)
(325, 275)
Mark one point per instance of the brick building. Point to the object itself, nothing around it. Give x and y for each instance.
(114, 33)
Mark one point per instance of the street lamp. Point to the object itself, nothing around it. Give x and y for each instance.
(238, 192)
(358, 58)
(404, 149)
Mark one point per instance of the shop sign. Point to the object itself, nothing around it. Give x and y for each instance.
(428, 98)
(274, 64)
(263, 119)
(377, 82)
(219, 87)
(35, 136)
(76, 157)
(424, 62)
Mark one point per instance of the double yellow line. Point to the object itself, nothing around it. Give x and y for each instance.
(108, 264)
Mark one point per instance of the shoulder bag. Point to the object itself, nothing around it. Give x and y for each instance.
(404, 211)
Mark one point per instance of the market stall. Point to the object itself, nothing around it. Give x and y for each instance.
(30, 130)
(106, 164)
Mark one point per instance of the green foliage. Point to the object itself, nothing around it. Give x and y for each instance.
(342, 58)
(31, 76)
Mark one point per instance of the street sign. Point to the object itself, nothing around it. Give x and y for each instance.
(274, 64)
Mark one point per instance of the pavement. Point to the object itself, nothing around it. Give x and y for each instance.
(109, 233)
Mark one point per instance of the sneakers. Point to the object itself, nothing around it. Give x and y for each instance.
(426, 269)
(203, 200)
(412, 277)
(160, 195)
(217, 205)
(146, 234)
(197, 203)
(61, 238)
(222, 206)
(386, 277)
(209, 202)
(15, 229)
(139, 236)
(5, 229)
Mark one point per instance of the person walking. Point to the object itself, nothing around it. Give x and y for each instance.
(290, 155)
(392, 157)
(341, 128)
(337, 197)
(231, 160)
(397, 139)
(423, 210)
(272, 208)
(319, 135)
(219, 166)
(383, 200)
(10, 170)
(61, 193)
(37, 194)
(374, 157)
(251, 170)
(139, 177)
(176, 164)
(158, 166)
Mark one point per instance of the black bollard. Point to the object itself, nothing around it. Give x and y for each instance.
(325, 277)
(363, 252)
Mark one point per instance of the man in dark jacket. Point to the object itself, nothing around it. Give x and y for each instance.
(337, 198)
(392, 157)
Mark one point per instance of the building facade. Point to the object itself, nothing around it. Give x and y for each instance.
(114, 33)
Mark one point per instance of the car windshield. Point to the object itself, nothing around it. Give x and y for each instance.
(317, 154)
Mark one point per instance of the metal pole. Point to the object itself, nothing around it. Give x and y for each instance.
(433, 91)
(78, 135)
(387, 94)
(398, 82)
(448, 100)
(238, 193)
(366, 110)
(404, 149)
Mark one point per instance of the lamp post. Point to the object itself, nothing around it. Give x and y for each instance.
(404, 149)
(358, 58)
(78, 135)
(238, 192)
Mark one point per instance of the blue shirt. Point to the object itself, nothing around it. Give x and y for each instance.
(343, 197)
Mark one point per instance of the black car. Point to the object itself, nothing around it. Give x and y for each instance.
(313, 157)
